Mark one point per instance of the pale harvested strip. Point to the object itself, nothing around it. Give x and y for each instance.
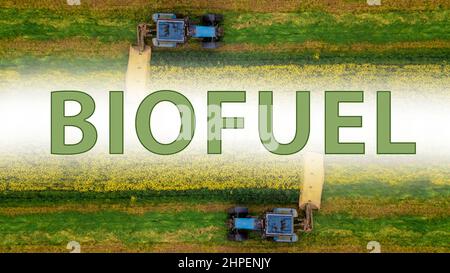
(14, 48)
(236, 5)
(357, 207)
(138, 70)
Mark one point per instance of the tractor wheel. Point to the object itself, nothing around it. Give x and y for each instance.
(238, 212)
(211, 19)
(237, 236)
(210, 45)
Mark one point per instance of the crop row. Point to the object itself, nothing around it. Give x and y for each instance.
(207, 178)
(428, 81)
(254, 28)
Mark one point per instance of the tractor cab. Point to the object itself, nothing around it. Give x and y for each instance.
(280, 227)
(171, 31)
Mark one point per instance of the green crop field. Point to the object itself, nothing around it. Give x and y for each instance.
(166, 204)
(367, 35)
(163, 207)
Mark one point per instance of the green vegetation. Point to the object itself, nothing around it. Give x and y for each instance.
(169, 205)
(421, 190)
(27, 64)
(57, 201)
(106, 228)
(45, 25)
(194, 231)
(342, 29)
(380, 37)
(241, 28)
(309, 56)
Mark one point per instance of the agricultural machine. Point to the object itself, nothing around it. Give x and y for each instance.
(277, 224)
(282, 224)
(170, 30)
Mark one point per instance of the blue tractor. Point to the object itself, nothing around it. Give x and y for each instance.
(278, 224)
(170, 30)
(281, 224)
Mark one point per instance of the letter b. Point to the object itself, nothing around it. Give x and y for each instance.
(59, 121)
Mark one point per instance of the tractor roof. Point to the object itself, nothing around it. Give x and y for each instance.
(279, 224)
(171, 30)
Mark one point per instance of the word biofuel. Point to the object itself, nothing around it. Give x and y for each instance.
(333, 122)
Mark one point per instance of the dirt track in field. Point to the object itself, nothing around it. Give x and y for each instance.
(357, 207)
(117, 247)
(94, 48)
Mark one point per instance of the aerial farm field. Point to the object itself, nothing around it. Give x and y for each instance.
(178, 204)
